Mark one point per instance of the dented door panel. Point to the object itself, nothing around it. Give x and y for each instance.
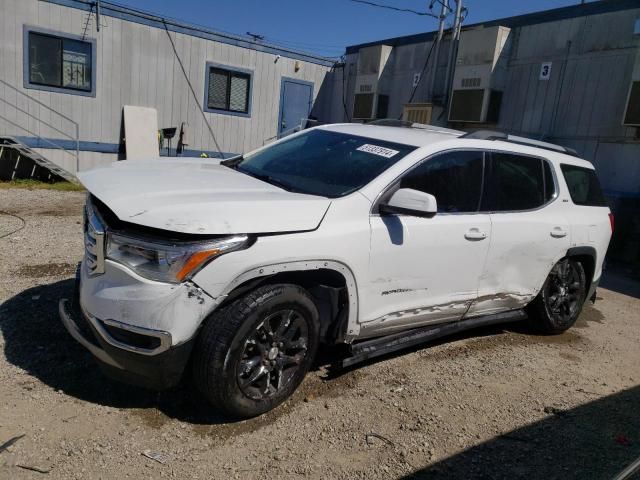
(422, 270)
(524, 248)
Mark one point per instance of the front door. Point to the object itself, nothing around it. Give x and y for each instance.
(296, 99)
(426, 270)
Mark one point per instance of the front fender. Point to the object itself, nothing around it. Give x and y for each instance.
(353, 328)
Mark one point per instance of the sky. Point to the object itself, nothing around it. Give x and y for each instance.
(325, 27)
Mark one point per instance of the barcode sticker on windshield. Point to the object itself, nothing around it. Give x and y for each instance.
(376, 150)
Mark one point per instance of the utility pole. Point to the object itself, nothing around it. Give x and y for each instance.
(436, 53)
(453, 54)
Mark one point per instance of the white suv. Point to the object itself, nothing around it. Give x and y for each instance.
(374, 236)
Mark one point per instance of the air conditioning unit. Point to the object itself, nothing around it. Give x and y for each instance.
(371, 63)
(417, 113)
(480, 75)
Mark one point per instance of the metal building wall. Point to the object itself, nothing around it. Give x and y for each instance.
(582, 104)
(137, 66)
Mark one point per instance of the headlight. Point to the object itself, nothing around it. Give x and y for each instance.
(168, 262)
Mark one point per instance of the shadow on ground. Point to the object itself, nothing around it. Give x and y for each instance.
(36, 341)
(621, 279)
(594, 441)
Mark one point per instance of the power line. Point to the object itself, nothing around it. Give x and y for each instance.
(397, 9)
(344, 101)
(424, 68)
(195, 97)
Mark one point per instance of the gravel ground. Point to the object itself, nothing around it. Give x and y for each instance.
(495, 403)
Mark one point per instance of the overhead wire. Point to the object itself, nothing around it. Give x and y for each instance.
(193, 92)
(397, 9)
(424, 68)
(344, 101)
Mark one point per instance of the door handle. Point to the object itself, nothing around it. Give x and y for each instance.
(558, 232)
(475, 234)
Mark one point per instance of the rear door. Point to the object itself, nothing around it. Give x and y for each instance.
(530, 231)
(426, 270)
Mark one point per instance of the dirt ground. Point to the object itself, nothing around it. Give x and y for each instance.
(494, 403)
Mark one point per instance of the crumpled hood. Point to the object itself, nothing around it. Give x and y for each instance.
(200, 197)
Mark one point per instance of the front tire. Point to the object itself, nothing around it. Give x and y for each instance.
(559, 303)
(253, 354)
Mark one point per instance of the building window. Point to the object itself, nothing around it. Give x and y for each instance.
(228, 90)
(59, 63)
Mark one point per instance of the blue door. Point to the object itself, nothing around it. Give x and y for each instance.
(296, 98)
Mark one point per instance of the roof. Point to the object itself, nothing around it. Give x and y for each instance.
(422, 136)
(545, 16)
(417, 137)
(129, 14)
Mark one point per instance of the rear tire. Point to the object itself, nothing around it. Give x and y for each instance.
(560, 301)
(253, 354)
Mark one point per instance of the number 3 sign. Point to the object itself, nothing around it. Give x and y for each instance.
(545, 71)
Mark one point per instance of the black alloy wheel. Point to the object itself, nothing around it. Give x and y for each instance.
(560, 301)
(253, 353)
(272, 354)
(564, 290)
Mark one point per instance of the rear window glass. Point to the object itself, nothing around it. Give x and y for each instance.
(514, 182)
(584, 187)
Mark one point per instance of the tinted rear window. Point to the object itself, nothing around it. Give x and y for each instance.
(583, 186)
(514, 182)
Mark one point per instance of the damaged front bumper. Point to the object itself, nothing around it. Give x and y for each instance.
(140, 331)
(157, 371)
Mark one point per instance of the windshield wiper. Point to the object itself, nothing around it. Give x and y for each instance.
(269, 179)
(232, 162)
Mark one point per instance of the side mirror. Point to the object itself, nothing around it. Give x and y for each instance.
(408, 201)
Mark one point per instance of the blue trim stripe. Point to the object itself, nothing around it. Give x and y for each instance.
(101, 147)
(34, 142)
(152, 20)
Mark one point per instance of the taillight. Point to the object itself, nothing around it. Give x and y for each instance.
(612, 221)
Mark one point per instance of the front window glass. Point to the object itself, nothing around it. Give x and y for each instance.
(321, 162)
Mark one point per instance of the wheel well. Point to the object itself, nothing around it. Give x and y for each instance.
(327, 287)
(588, 263)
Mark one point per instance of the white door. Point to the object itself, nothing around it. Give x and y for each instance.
(530, 232)
(426, 270)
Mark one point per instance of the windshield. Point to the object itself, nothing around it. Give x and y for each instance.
(321, 162)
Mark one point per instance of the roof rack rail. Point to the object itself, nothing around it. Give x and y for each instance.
(505, 137)
(393, 122)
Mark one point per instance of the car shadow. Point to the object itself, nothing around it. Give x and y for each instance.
(621, 279)
(36, 341)
(595, 440)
